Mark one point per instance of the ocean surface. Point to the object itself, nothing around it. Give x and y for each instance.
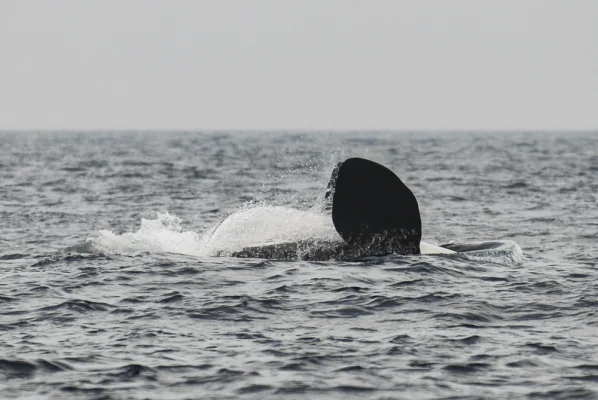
(114, 284)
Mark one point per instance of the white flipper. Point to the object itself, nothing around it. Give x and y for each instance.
(426, 248)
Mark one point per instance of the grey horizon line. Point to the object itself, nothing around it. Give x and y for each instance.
(298, 130)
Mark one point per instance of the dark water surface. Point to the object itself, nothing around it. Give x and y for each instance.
(109, 287)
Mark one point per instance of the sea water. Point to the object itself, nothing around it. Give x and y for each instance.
(117, 283)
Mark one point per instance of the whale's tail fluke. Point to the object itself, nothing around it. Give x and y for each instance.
(373, 209)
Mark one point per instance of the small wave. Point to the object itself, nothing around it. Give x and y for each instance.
(174, 297)
(23, 369)
(253, 388)
(468, 368)
(81, 306)
(516, 185)
(61, 257)
(16, 368)
(237, 308)
(14, 256)
(341, 312)
(134, 371)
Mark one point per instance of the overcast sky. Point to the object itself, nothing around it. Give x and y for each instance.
(303, 64)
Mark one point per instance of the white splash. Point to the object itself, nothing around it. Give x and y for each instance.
(249, 227)
(161, 235)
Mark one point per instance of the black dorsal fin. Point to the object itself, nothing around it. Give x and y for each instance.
(373, 210)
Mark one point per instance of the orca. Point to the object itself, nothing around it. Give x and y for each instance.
(372, 210)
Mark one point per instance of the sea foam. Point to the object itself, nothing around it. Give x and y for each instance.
(161, 235)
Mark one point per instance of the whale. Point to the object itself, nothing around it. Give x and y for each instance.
(373, 212)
